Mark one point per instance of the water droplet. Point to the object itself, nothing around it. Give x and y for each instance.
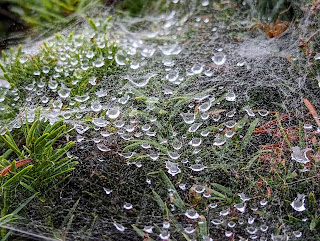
(127, 206)
(249, 111)
(297, 234)
(231, 96)
(251, 220)
(96, 106)
(176, 144)
(251, 230)
(241, 207)
(194, 127)
(164, 235)
(213, 205)
(172, 76)
(230, 124)
(90, 54)
(154, 156)
(103, 147)
(98, 63)
(119, 227)
(36, 73)
(107, 190)
(53, 84)
(183, 186)
(64, 92)
(195, 142)
(141, 81)
(114, 112)
(23, 59)
(231, 224)
(173, 155)
(263, 112)
(205, 3)
(263, 202)
(148, 229)
(264, 227)
(197, 68)
(224, 212)
(298, 203)
(82, 98)
(120, 58)
(199, 188)
(219, 141)
(216, 221)
(192, 214)
(299, 155)
(188, 117)
(219, 58)
(166, 225)
(228, 233)
(229, 133)
(197, 167)
(205, 106)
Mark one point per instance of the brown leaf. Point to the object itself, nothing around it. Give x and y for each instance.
(269, 191)
(312, 111)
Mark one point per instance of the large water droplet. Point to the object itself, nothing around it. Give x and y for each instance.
(120, 58)
(194, 127)
(197, 167)
(298, 203)
(219, 141)
(219, 58)
(195, 142)
(141, 81)
(173, 155)
(114, 112)
(192, 214)
(299, 155)
(231, 96)
(119, 227)
(82, 98)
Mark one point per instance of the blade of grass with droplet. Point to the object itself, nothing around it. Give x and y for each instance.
(140, 232)
(248, 135)
(177, 199)
(202, 227)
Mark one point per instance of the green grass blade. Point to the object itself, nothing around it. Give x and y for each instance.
(17, 176)
(248, 135)
(177, 199)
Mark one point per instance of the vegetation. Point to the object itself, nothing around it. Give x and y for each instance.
(155, 148)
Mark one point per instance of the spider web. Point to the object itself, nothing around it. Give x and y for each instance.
(169, 69)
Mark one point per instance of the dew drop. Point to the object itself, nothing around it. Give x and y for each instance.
(298, 203)
(103, 147)
(107, 190)
(120, 58)
(197, 68)
(173, 155)
(192, 214)
(127, 206)
(194, 127)
(197, 167)
(219, 58)
(113, 112)
(219, 141)
(195, 142)
(231, 96)
(119, 227)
